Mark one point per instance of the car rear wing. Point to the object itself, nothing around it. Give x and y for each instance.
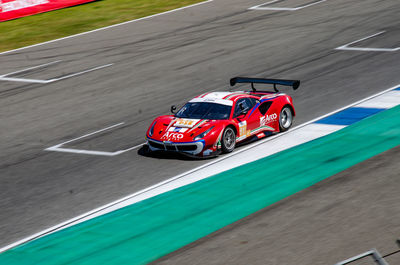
(293, 83)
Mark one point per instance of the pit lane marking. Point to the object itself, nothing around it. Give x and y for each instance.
(347, 48)
(59, 148)
(7, 77)
(264, 6)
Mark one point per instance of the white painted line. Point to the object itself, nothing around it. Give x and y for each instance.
(80, 73)
(108, 27)
(28, 80)
(59, 148)
(366, 49)
(129, 149)
(25, 80)
(257, 7)
(90, 134)
(190, 176)
(265, 7)
(79, 151)
(318, 2)
(31, 68)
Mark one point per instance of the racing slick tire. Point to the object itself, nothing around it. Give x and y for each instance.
(228, 140)
(285, 119)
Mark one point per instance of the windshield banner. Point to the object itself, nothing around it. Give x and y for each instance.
(11, 9)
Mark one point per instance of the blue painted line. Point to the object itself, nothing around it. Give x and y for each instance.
(397, 88)
(254, 108)
(349, 116)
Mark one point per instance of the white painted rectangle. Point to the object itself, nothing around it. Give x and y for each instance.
(265, 6)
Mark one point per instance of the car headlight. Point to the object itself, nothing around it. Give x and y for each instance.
(152, 129)
(201, 135)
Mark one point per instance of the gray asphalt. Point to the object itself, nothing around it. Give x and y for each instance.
(159, 62)
(336, 219)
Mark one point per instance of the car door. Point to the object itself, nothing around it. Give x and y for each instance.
(248, 122)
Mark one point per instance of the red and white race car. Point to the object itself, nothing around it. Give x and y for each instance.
(215, 122)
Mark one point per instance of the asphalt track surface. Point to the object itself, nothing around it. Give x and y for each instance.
(156, 63)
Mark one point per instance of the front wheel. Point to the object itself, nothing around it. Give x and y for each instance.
(285, 119)
(228, 140)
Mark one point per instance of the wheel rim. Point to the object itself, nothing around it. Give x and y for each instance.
(229, 139)
(286, 118)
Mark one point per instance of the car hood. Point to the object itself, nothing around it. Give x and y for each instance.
(172, 129)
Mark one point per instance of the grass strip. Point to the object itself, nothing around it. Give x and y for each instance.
(68, 21)
(145, 231)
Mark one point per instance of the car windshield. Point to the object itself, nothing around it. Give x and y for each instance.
(204, 110)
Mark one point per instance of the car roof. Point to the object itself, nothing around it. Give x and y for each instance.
(228, 98)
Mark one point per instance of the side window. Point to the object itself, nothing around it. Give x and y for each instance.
(252, 102)
(263, 108)
(247, 103)
(237, 107)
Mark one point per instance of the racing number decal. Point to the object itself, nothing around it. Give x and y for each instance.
(242, 128)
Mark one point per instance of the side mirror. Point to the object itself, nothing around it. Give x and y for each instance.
(173, 108)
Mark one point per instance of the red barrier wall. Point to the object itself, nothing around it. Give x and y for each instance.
(10, 9)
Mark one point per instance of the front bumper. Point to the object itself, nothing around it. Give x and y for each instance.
(191, 148)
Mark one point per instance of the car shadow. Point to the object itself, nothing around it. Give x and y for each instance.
(144, 151)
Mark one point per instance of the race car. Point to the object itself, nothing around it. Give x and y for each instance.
(215, 122)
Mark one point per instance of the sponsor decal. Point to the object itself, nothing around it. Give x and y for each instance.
(267, 119)
(177, 129)
(172, 136)
(188, 123)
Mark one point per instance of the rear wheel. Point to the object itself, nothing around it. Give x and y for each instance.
(228, 140)
(285, 119)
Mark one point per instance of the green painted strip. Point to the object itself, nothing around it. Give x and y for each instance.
(152, 228)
